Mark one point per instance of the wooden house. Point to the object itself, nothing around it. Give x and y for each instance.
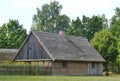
(66, 55)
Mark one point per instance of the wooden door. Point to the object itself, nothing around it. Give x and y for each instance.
(92, 68)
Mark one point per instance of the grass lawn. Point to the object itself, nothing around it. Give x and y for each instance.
(59, 78)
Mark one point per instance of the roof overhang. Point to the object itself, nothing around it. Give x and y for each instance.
(33, 60)
(79, 60)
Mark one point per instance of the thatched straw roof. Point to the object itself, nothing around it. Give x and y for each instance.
(68, 47)
(7, 54)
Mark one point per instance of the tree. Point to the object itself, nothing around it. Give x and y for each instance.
(116, 17)
(87, 27)
(118, 57)
(12, 34)
(95, 24)
(48, 19)
(115, 23)
(115, 28)
(76, 28)
(106, 44)
(3, 38)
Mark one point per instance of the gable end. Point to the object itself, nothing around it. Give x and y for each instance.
(31, 50)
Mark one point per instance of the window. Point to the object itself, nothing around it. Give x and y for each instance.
(93, 65)
(64, 64)
(30, 48)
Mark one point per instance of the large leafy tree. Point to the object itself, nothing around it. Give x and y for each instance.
(49, 19)
(76, 28)
(116, 17)
(12, 34)
(115, 23)
(95, 24)
(106, 44)
(87, 27)
(115, 30)
(118, 57)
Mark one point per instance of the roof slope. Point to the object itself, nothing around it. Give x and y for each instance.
(68, 47)
(7, 54)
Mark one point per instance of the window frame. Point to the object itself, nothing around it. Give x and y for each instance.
(64, 64)
(93, 65)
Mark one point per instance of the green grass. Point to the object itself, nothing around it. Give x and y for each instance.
(59, 78)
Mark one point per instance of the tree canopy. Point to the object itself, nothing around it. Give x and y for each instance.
(12, 34)
(106, 44)
(87, 27)
(49, 19)
(115, 23)
(115, 29)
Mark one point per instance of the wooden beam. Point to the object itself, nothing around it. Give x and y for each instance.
(25, 60)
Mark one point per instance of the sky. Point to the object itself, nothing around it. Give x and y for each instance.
(23, 10)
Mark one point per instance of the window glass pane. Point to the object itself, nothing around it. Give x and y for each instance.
(93, 65)
(64, 64)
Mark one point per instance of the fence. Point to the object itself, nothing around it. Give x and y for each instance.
(24, 70)
(114, 68)
(40, 70)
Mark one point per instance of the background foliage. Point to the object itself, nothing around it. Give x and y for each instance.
(49, 19)
(12, 35)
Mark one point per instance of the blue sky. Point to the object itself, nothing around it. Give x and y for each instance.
(23, 10)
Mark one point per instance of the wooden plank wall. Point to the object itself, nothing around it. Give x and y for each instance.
(73, 68)
(96, 70)
(32, 50)
(77, 68)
